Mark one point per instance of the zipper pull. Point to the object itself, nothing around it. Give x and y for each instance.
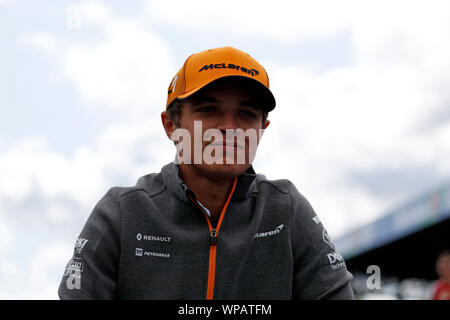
(213, 237)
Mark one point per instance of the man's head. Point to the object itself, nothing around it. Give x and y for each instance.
(217, 92)
(443, 265)
(175, 108)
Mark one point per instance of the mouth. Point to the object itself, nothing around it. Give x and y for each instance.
(229, 145)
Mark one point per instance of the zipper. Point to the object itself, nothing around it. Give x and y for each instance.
(213, 237)
(213, 242)
(212, 264)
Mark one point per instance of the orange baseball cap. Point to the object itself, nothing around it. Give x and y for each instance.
(202, 68)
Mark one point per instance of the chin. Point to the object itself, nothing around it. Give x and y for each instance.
(223, 171)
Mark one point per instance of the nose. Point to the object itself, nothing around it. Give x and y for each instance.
(227, 121)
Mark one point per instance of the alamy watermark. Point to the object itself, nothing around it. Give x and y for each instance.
(73, 21)
(374, 280)
(236, 143)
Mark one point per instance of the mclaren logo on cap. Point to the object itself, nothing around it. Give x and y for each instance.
(223, 65)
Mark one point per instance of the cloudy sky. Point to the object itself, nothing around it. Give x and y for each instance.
(362, 122)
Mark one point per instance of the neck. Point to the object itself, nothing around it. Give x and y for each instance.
(212, 192)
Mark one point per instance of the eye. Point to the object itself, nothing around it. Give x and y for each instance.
(248, 114)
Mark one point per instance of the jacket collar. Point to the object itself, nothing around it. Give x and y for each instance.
(174, 183)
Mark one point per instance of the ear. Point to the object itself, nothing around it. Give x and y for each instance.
(168, 124)
(266, 124)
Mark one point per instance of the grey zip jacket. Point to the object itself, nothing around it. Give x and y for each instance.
(155, 241)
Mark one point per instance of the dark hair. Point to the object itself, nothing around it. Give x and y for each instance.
(444, 253)
(174, 111)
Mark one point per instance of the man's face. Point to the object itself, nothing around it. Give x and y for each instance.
(224, 107)
(443, 267)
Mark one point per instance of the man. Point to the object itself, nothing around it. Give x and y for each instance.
(441, 288)
(207, 226)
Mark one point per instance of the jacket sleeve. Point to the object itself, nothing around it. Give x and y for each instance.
(92, 272)
(319, 271)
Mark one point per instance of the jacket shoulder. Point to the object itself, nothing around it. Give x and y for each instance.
(284, 186)
(151, 184)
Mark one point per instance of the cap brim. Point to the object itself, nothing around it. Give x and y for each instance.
(265, 96)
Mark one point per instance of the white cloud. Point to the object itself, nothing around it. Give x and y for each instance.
(136, 147)
(349, 119)
(365, 115)
(8, 271)
(408, 32)
(40, 40)
(121, 155)
(58, 213)
(95, 12)
(37, 280)
(129, 70)
(440, 144)
(15, 170)
(32, 162)
(55, 255)
(283, 20)
(290, 21)
(6, 236)
(128, 150)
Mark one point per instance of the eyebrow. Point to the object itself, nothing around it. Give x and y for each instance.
(205, 99)
(251, 104)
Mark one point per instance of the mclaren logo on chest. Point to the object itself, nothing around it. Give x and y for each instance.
(223, 65)
(269, 233)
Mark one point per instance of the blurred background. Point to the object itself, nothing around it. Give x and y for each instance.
(362, 123)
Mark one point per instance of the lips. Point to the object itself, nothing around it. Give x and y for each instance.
(227, 145)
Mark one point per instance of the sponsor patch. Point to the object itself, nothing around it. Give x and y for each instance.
(141, 252)
(269, 233)
(73, 273)
(79, 245)
(146, 237)
(75, 264)
(336, 260)
(316, 220)
(326, 238)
